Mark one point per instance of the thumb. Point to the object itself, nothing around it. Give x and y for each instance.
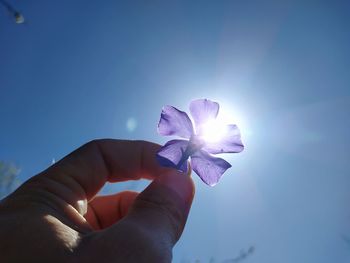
(151, 228)
(162, 208)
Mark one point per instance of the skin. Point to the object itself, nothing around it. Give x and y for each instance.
(56, 216)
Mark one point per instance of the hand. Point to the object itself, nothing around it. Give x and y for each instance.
(57, 217)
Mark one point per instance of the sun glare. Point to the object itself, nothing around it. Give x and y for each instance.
(213, 131)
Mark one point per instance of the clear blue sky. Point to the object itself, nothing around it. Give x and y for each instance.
(78, 70)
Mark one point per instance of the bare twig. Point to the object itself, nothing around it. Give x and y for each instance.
(19, 19)
(242, 256)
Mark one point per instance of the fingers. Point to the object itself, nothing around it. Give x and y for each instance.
(86, 170)
(104, 211)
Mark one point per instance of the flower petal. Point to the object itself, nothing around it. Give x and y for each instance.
(230, 143)
(202, 111)
(208, 168)
(172, 154)
(175, 122)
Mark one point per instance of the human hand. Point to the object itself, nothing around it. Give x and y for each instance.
(57, 217)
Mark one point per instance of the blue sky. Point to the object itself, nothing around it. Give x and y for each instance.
(79, 70)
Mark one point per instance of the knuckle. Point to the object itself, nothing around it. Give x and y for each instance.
(93, 143)
(149, 243)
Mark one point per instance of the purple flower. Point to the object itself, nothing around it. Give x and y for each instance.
(195, 143)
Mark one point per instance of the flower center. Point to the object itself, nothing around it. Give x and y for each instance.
(196, 143)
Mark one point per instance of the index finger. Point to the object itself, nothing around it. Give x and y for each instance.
(106, 160)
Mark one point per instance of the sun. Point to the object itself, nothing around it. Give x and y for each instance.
(215, 129)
